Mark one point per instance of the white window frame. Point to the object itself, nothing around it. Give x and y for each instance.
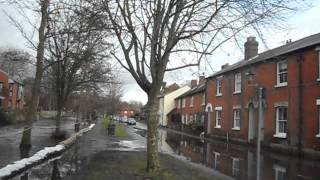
(216, 159)
(191, 118)
(236, 111)
(187, 119)
(203, 99)
(281, 84)
(191, 101)
(278, 133)
(182, 119)
(184, 102)
(179, 103)
(318, 116)
(236, 167)
(195, 117)
(318, 57)
(219, 86)
(237, 83)
(218, 119)
(277, 170)
(1, 87)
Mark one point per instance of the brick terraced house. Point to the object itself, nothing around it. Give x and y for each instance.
(11, 93)
(290, 77)
(190, 106)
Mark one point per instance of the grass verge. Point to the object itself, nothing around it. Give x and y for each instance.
(132, 165)
(119, 131)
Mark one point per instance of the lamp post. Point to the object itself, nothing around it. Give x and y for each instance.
(260, 119)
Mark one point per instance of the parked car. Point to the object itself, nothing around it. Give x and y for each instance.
(132, 121)
(123, 120)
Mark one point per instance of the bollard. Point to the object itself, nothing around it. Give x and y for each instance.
(111, 129)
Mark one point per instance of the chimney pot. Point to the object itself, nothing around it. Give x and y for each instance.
(224, 66)
(250, 48)
(193, 83)
(202, 79)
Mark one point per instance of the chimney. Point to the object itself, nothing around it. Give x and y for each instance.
(250, 48)
(202, 80)
(193, 83)
(225, 65)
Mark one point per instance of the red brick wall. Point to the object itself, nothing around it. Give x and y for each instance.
(13, 98)
(265, 75)
(5, 90)
(198, 106)
(127, 112)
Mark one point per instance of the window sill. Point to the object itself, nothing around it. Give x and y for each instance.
(318, 135)
(237, 92)
(280, 135)
(218, 95)
(318, 79)
(236, 128)
(281, 85)
(217, 127)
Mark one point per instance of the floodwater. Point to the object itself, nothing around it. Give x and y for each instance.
(10, 137)
(233, 161)
(240, 162)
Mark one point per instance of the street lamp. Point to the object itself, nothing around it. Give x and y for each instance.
(262, 95)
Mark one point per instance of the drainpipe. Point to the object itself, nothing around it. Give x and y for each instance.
(260, 124)
(300, 116)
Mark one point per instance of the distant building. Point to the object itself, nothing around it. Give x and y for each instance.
(127, 112)
(167, 101)
(290, 77)
(189, 107)
(11, 93)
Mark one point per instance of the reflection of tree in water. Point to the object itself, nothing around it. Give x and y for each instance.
(24, 153)
(186, 146)
(57, 169)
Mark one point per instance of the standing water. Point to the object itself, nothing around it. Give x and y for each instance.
(238, 161)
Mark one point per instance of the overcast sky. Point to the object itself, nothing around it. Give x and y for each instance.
(300, 25)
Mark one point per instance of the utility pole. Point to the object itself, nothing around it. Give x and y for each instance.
(260, 124)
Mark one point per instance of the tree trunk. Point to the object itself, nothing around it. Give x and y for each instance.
(33, 104)
(58, 120)
(153, 163)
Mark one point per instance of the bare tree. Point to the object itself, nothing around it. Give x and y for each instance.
(154, 37)
(76, 50)
(42, 8)
(16, 62)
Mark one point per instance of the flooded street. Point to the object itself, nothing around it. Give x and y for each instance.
(10, 137)
(97, 156)
(239, 162)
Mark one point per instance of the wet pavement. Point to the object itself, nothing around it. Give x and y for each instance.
(96, 152)
(10, 137)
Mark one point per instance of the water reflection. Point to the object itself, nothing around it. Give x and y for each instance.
(240, 162)
(55, 169)
(25, 153)
(234, 161)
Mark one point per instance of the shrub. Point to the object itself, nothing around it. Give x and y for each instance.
(197, 126)
(4, 118)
